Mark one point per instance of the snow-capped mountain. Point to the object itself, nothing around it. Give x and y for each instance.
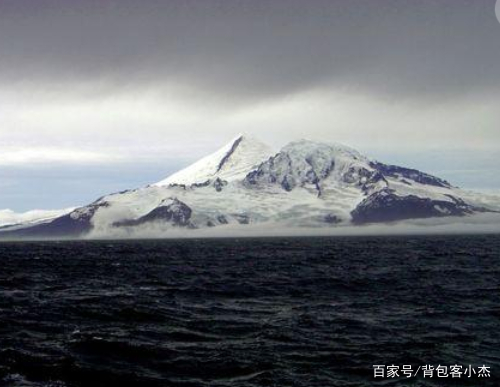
(9, 218)
(305, 184)
(231, 162)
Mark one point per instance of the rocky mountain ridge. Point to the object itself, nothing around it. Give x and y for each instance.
(305, 184)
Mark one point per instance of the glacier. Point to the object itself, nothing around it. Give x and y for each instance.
(248, 188)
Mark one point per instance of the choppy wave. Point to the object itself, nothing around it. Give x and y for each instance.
(246, 312)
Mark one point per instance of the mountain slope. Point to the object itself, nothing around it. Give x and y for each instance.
(9, 218)
(231, 162)
(305, 184)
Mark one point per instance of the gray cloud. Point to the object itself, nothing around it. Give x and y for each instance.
(101, 95)
(239, 50)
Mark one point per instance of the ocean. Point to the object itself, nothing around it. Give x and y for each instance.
(251, 312)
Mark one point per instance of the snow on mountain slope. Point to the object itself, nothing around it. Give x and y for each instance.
(308, 163)
(306, 184)
(489, 199)
(9, 217)
(233, 161)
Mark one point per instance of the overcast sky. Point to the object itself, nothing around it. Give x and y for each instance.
(99, 95)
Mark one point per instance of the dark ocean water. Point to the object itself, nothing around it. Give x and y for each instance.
(248, 312)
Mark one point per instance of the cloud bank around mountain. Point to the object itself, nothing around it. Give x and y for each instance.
(150, 86)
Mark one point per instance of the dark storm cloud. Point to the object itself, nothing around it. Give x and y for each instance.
(255, 49)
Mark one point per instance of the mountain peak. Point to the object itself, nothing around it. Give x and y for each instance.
(307, 183)
(307, 146)
(234, 160)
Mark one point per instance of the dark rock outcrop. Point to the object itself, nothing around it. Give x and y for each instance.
(367, 180)
(222, 219)
(356, 175)
(411, 174)
(332, 219)
(291, 172)
(171, 211)
(226, 157)
(73, 225)
(219, 184)
(200, 185)
(242, 218)
(387, 206)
